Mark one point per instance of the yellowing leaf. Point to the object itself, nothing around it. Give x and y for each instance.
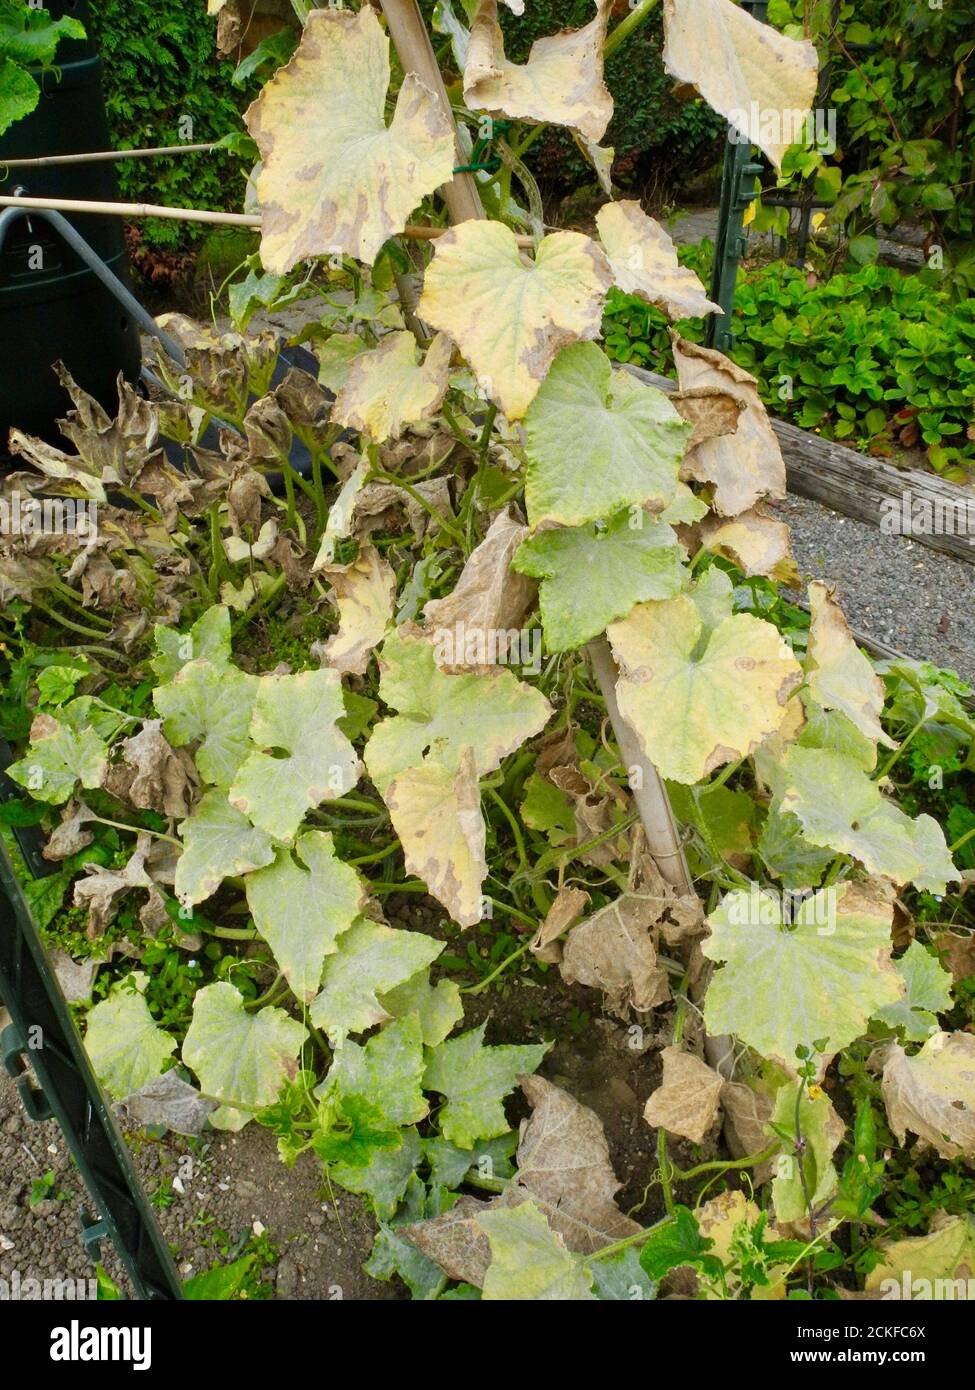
(938, 1266)
(385, 390)
(508, 315)
(827, 972)
(839, 675)
(371, 959)
(366, 590)
(599, 440)
(436, 812)
(297, 717)
(808, 1176)
(695, 700)
(126, 1046)
(644, 262)
(334, 179)
(756, 542)
(474, 624)
(561, 83)
(688, 1099)
(529, 1260)
(742, 467)
(301, 906)
(933, 1093)
(239, 1056)
(761, 81)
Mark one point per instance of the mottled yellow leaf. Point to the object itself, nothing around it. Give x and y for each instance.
(940, 1265)
(696, 700)
(761, 81)
(366, 590)
(437, 815)
(838, 674)
(334, 178)
(644, 262)
(509, 315)
(561, 83)
(756, 542)
(932, 1094)
(385, 390)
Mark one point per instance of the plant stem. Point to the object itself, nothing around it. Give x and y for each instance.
(627, 26)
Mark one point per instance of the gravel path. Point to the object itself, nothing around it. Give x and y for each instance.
(893, 589)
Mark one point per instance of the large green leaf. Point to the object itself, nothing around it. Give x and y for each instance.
(599, 441)
(240, 1058)
(126, 1046)
(841, 808)
(387, 1071)
(213, 704)
(301, 758)
(475, 1079)
(219, 842)
(827, 972)
(371, 960)
(594, 574)
(19, 93)
(384, 1178)
(300, 904)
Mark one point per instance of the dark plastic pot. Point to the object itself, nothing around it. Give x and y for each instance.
(51, 305)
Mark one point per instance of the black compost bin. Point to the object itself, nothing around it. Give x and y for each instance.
(51, 305)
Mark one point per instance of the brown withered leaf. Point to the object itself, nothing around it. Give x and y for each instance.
(569, 904)
(747, 1112)
(70, 837)
(615, 951)
(687, 1101)
(756, 542)
(165, 778)
(745, 466)
(564, 1168)
(710, 411)
(489, 600)
(596, 808)
(454, 1240)
(365, 591)
(100, 889)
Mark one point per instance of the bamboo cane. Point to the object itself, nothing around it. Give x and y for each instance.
(104, 156)
(412, 43)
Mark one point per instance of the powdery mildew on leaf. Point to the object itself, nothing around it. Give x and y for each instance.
(212, 705)
(932, 1094)
(436, 812)
(334, 178)
(385, 389)
(761, 81)
(387, 1072)
(371, 959)
(644, 262)
(125, 1044)
(295, 715)
(599, 440)
(529, 1261)
(742, 467)
(922, 1263)
(841, 808)
(475, 1079)
(218, 842)
(58, 759)
(827, 974)
(695, 702)
(592, 575)
(928, 987)
(508, 315)
(301, 904)
(240, 1056)
(560, 84)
